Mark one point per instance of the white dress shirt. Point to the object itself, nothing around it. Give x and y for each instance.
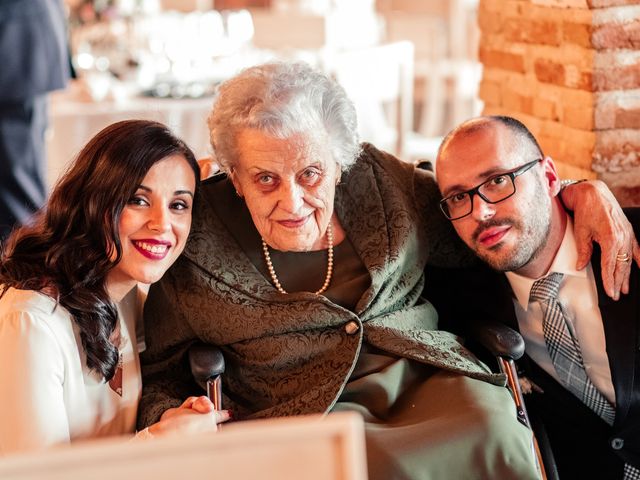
(578, 297)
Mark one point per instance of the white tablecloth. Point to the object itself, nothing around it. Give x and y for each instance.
(73, 122)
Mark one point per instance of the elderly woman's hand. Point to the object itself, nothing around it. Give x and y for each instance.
(196, 414)
(598, 217)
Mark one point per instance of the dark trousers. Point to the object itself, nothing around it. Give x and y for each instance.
(22, 160)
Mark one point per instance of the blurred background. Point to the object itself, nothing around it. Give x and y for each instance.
(410, 66)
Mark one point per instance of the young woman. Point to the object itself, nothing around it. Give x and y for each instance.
(69, 366)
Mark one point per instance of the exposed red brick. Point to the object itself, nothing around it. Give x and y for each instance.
(511, 100)
(627, 119)
(562, 150)
(548, 71)
(495, 110)
(617, 35)
(545, 109)
(489, 22)
(515, 8)
(488, 5)
(617, 150)
(579, 157)
(579, 86)
(578, 33)
(526, 104)
(540, 32)
(501, 59)
(617, 78)
(490, 93)
(579, 117)
(551, 146)
(566, 170)
(608, 106)
(570, 145)
(586, 81)
(610, 3)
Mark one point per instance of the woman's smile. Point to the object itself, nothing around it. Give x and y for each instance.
(151, 248)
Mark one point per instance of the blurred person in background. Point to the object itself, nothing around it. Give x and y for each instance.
(35, 60)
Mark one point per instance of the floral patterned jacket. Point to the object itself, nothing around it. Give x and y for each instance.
(293, 354)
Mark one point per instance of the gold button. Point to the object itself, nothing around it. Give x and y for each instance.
(351, 327)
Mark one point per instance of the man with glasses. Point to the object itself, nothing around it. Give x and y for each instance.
(501, 194)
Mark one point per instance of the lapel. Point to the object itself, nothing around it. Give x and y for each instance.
(365, 226)
(620, 321)
(212, 247)
(504, 308)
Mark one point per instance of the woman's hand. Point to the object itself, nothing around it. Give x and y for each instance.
(196, 414)
(598, 217)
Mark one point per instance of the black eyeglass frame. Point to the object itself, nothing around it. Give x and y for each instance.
(476, 190)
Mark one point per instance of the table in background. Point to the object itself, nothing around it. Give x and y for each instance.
(74, 121)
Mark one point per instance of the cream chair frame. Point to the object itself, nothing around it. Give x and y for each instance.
(312, 447)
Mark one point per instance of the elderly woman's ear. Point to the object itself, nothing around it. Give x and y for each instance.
(236, 183)
(208, 167)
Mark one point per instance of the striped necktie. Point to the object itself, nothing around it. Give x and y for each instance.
(564, 349)
(566, 356)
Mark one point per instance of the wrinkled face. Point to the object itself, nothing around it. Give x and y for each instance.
(155, 223)
(509, 234)
(288, 186)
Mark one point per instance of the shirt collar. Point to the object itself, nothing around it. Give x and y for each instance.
(564, 262)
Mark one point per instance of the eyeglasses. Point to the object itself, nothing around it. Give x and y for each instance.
(493, 190)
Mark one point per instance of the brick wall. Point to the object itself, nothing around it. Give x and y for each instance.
(570, 70)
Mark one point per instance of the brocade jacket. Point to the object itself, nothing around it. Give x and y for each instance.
(292, 354)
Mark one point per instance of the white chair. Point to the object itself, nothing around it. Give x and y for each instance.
(446, 68)
(379, 80)
(310, 448)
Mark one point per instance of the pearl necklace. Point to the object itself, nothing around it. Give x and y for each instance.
(327, 279)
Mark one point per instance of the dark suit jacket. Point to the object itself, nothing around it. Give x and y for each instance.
(584, 445)
(33, 48)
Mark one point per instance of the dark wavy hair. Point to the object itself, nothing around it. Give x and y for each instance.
(73, 241)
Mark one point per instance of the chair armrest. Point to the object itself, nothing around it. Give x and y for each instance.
(207, 366)
(206, 361)
(500, 340)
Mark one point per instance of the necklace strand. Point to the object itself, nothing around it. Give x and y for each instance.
(327, 279)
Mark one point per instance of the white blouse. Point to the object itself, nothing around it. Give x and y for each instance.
(47, 394)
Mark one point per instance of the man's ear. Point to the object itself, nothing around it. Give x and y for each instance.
(551, 176)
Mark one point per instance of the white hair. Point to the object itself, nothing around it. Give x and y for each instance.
(283, 99)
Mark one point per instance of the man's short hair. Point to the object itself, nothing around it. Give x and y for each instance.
(521, 133)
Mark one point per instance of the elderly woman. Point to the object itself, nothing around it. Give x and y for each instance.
(305, 265)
